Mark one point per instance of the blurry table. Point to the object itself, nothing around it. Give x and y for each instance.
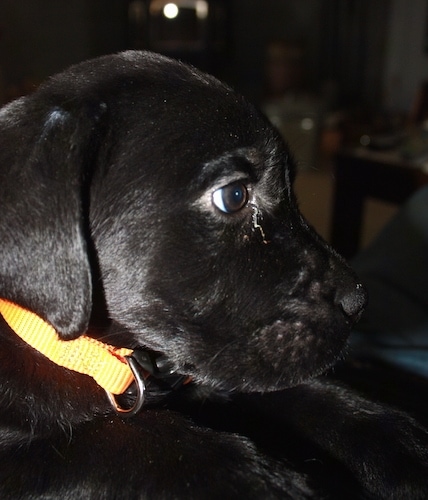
(361, 173)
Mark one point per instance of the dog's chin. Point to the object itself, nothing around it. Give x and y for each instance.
(289, 359)
(265, 382)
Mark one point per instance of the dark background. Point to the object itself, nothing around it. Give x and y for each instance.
(372, 51)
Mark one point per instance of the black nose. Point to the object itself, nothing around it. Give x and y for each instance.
(353, 302)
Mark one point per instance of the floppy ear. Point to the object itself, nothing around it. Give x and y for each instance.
(44, 264)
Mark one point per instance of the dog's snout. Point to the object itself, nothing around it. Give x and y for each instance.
(353, 302)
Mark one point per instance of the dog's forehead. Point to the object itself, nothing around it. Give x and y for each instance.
(176, 118)
(250, 163)
(170, 123)
(191, 111)
(151, 97)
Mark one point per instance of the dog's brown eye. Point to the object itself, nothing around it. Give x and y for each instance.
(231, 198)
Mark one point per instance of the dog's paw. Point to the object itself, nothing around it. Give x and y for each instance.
(384, 450)
(388, 453)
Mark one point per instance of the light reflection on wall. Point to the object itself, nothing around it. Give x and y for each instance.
(182, 22)
(170, 10)
(195, 31)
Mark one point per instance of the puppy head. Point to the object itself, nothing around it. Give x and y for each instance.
(183, 191)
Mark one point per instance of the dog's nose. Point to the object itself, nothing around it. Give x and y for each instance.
(353, 302)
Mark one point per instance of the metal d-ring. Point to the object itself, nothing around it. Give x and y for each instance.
(139, 399)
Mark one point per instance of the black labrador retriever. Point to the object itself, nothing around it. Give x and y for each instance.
(147, 212)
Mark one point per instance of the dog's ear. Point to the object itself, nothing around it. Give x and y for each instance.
(46, 153)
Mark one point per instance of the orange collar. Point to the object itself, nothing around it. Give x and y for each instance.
(106, 364)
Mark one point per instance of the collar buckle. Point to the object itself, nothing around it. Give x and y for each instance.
(140, 387)
(154, 377)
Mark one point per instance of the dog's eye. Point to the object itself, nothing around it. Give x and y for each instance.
(231, 198)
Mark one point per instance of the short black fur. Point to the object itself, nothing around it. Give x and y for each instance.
(107, 177)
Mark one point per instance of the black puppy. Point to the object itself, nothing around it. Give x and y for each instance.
(149, 206)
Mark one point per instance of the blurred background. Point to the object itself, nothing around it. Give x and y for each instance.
(343, 80)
